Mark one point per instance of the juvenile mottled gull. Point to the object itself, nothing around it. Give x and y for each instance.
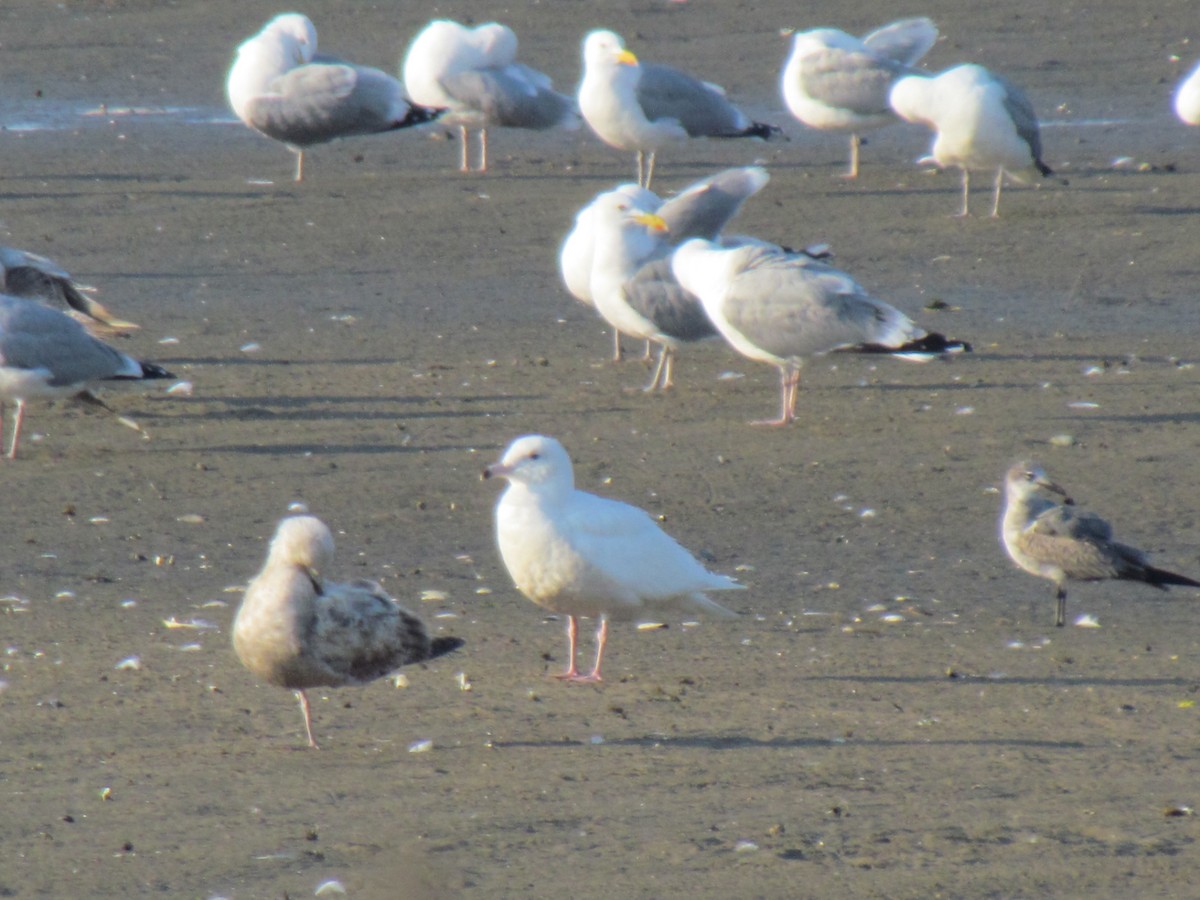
(1049, 538)
(46, 353)
(474, 75)
(279, 87)
(25, 274)
(981, 120)
(834, 81)
(586, 556)
(1187, 98)
(781, 308)
(702, 209)
(298, 630)
(644, 107)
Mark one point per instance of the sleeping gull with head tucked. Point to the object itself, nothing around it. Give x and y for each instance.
(279, 87)
(834, 81)
(474, 75)
(702, 209)
(1046, 536)
(645, 106)
(299, 630)
(779, 307)
(981, 121)
(587, 556)
(25, 274)
(46, 353)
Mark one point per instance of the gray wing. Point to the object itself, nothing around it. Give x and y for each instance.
(905, 40)
(654, 292)
(665, 92)
(33, 336)
(1020, 109)
(853, 80)
(313, 104)
(791, 306)
(359, 633)
(1063, 521)
(509, 97)
(706, 207)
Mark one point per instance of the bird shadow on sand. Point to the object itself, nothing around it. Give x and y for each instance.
(745, 742)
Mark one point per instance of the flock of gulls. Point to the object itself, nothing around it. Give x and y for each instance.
(660, 270)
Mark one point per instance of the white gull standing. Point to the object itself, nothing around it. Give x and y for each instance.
(280, 87)
(781, 308)
(474, 75)
(981, 121)
(834, 81)
(645, 106)
(1187, 98)
(582, 555)
(298, 630)
(1049, 538)
(45, 353)
(702, 209)
(25, 274)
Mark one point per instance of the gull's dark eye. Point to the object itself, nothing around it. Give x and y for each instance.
(535, 455)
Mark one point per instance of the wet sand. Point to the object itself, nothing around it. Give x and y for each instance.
(893, 715)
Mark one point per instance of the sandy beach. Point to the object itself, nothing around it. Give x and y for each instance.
(893, 714)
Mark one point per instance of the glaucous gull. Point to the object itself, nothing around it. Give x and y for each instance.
(582, 555)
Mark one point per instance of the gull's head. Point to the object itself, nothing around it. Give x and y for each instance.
(603, 46)
(303, 542)
(621, 208)
(535, 461)
(700, 265)
(1024, 479)
(498, 42)
(299, 28)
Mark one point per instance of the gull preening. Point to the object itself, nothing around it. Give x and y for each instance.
(1046, 536)
(1187, 98)
(25, 274)
(298, 630)
(280, 87)
(581, 555)
(981, 121)
(637, 280)
(45, 353)
(834, 81)
(781, 308)
(474, 75)
(645, 106)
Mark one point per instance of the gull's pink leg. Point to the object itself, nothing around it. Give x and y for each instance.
(303, 698)
(18, 418)
(464, 164)
(966, 194)
(788, 384)
(483, 150)
(855, 143)
(996, 202)
(572, 673)
(601, 641)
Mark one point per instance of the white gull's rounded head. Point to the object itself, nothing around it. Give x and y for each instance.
(534, 460)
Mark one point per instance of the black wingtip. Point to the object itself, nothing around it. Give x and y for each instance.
(419, 115)
(1044, 170)
(150, 370)
(762, 130)
(440, 646)
(1160, 578)
(931, 345)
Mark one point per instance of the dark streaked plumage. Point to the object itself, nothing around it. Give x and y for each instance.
(298, 630)
(1047, 537)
